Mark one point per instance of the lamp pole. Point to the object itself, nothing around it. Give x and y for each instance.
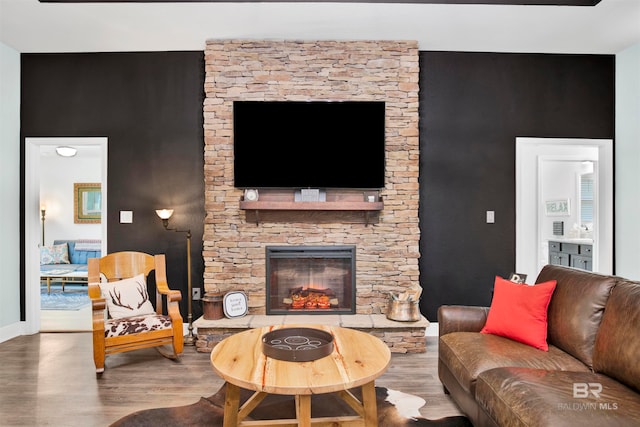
(43, 211)
(165, 214)
(189, 339)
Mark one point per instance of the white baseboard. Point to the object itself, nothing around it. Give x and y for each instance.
(11, 331)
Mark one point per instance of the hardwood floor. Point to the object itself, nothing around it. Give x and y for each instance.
(49, 379)
(66, 320)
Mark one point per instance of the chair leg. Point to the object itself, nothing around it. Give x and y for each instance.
(178, 340)
(98, 352)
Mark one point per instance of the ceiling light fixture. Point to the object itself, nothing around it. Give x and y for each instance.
(66, 151)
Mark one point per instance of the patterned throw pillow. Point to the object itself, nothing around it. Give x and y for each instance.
(56, 254)
(127, 297)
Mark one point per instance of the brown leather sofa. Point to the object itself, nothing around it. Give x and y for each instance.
(589, 377)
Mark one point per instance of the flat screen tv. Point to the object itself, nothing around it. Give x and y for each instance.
(315, 144)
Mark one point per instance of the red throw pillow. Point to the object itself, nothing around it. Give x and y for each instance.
(519, 312)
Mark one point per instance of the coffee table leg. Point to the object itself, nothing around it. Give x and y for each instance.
(231, 405)
(369, 404)
(303, 410)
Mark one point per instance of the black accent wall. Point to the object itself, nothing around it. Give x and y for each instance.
(472, 108)
(149, 106)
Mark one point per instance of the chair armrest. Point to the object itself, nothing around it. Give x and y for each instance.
(162, 287)
(461, 318)
(173, 309)
(173, 296)
(98, 308)
(97, 301)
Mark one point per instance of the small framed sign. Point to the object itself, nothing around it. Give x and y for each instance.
(557, 207)
(518, 278)
(235, 304)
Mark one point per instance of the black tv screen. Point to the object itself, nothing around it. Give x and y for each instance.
(315, 144)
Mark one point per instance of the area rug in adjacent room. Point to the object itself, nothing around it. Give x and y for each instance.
(395, 409)
(74, 297)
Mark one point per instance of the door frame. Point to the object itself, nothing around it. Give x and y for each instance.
(32, 217)
(529, 151)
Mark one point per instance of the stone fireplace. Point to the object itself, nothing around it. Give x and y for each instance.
(387, 243)
(310, 279)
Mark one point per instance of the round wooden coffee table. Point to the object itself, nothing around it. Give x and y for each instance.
(358, 358)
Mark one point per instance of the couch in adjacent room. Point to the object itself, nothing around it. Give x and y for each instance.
(70, 255)
(493, 361)
(66, 261)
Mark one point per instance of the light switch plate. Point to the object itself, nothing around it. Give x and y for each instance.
(126, 217)
(491, 217)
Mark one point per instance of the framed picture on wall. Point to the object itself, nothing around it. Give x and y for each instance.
(557, 207)
(87, 203)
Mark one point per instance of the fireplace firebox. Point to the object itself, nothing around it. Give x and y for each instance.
(311, 279)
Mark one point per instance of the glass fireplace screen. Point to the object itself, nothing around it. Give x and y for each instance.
(310, 279)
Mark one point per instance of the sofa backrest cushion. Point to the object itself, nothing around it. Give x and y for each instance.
(576, 309)
(617, 348)
(79, 254)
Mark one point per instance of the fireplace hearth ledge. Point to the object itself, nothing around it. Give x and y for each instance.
(401, 337)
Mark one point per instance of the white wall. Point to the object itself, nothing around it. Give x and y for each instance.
(627, 158)
(560, 182)
(9, 192)
(57, 176)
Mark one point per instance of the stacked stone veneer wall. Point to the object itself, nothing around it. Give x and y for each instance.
(387, 251)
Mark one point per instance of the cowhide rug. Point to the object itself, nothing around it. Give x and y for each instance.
(395, 409)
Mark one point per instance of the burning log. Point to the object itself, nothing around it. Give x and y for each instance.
(311, 298)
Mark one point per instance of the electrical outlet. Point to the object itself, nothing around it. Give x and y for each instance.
(195, 294)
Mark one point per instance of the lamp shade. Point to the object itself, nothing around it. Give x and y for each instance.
(164, 213)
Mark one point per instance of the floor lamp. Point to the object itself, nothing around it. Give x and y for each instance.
(164, 215)
(43, 211)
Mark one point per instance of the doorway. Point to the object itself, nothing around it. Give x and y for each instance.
(58, 222)
(565, 159)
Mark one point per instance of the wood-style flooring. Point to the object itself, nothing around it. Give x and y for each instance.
(49, 379)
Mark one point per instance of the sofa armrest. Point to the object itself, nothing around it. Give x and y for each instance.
(461, 318)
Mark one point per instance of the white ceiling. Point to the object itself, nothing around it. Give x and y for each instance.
(31, 26)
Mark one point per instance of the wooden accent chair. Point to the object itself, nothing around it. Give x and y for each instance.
(123, 317)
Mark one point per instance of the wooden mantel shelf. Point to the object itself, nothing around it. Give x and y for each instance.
(311, 206)
(336, 200)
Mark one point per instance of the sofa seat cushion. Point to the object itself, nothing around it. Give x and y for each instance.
(467, 354)
(136, 324)
(536, 397)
